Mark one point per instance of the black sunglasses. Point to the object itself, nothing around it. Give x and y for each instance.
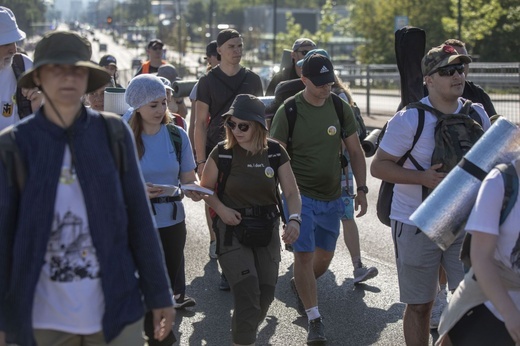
(450, 70)
(241, 126)
(304, 52)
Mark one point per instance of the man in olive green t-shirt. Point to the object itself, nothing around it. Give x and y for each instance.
(314, 150)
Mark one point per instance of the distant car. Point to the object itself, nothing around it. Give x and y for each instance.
(102, 47)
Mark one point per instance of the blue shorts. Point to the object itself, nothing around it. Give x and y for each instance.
(348, 205)
(320, 224)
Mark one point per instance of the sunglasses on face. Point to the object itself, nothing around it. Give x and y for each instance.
(303, 52)
(450, 70)
(157, 48)
(244, 127)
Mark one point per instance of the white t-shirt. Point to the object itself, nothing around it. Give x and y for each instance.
(485, 218)
(8, 105)
(398, 140)
(68, 296)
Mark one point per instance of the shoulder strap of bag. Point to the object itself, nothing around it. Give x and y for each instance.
(12, 160)
(233, 91)
(338, 106)
(274, 154)
(508, 173)
(22, 102)
(225, 156)
(290, 113)
(176, 139)
(116, 137)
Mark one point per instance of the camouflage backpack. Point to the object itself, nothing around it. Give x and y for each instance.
(455, 134)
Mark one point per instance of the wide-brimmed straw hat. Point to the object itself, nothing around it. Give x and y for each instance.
(65, 48)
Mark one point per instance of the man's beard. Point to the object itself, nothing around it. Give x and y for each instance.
(6, 62)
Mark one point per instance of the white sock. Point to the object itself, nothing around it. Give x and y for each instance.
(313, 313)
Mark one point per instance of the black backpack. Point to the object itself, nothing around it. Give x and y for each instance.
(23, 104)
(508, 173)
(291, 113)
(462, 129)
(15, 168)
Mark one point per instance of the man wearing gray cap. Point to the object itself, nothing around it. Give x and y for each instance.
(404, 157)
(16, 103)
(300, 48)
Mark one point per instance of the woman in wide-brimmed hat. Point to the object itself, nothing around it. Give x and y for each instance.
(77, 230)
(247, 227)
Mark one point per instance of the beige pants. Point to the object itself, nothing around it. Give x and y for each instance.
(131, 335)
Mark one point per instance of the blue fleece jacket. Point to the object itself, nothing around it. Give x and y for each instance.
(119, 217)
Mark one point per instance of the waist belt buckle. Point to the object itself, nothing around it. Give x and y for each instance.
(163, 199)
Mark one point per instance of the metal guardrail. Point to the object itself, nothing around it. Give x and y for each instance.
(376, 88)
(381, 84)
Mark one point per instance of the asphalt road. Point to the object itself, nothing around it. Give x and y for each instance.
(357, 315)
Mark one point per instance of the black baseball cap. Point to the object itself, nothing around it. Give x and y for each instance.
(154, 43)
(107, 60)
(318, 68)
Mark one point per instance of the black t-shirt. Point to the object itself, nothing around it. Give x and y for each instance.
(218, 90)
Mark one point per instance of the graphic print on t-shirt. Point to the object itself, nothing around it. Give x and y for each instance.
(70, 254)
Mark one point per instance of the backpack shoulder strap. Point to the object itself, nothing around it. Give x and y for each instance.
(116, 137)
(175, 137)
(18, 65)
(338, 106)
(225, 156)
(23, 104)
(508, 173)
(290, 113)
(12, 159)
(274, 153)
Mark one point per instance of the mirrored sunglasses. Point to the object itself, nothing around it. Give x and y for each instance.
(244, 127)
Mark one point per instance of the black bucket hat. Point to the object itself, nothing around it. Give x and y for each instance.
(247, 107)
(65, 48)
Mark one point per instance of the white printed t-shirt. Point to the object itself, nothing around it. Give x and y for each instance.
(68, 296)
(485, 218)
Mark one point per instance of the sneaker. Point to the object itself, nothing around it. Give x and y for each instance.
(213, 249)
(363, 274)
(440, 302)
(299, 304)
(183, 302)
(316, 333)
(224, 284)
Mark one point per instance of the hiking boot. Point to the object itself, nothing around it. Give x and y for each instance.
(183, 302)
(440, 302)
(299, 304)
(363, 274)
(316, 332)
(224, 284)
(213, 249)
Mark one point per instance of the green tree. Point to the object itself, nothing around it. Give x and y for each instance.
(27, 13)
(479, 17)
(503, 43)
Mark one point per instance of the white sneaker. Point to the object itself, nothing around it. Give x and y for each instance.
(213, 249)
(440, 302)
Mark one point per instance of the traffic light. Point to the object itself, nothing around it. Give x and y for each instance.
(109, 20)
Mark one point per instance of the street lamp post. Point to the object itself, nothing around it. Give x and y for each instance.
(459, 19)
(275, 6)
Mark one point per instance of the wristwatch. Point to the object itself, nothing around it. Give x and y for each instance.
(363, 188)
